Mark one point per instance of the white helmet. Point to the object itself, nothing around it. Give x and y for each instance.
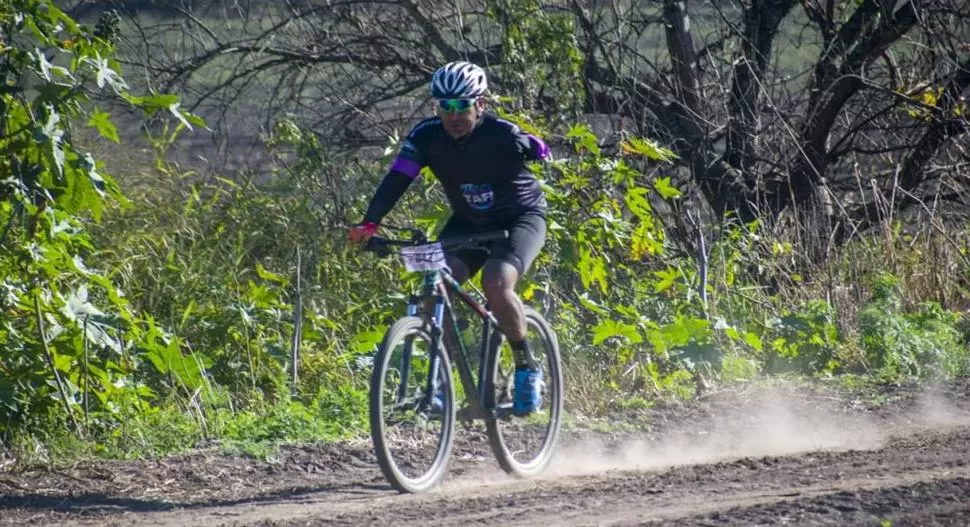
(459, 80)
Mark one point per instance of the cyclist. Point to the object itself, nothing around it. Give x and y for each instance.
(480, 161)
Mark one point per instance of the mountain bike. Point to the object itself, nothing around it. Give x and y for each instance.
(413, 394)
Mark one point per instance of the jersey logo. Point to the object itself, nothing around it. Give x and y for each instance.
(479, 197)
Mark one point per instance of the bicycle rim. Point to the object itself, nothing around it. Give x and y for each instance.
(524, 446)
(412, 435)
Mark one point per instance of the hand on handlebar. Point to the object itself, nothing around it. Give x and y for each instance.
(360, 234)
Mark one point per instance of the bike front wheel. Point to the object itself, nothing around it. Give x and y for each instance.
(412, 407)
(524, 446)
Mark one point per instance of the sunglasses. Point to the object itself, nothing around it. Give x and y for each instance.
(455, 105)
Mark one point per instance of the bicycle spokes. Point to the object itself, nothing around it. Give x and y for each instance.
(412, 408)
(524, 445)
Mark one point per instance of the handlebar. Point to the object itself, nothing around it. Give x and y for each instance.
(382, 246)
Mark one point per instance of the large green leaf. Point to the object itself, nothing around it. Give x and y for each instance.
(636, 201)
(105, 75)
(270, 276)
(644, 242)
(592, 269)
(101, 121)
(584, 138)
(665, 189)
(648, 148)
(612, 328)
(367, 341)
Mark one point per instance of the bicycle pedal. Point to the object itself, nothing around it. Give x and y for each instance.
(503, 411)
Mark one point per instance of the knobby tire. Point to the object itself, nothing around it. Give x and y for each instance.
(396, 336)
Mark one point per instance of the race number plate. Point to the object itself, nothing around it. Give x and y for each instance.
(430, 257)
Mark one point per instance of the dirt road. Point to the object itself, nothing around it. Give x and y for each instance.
(739, 458)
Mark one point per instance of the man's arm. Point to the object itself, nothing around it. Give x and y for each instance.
(405, 169)
(529, 146)
(390, 190)
(537, 149)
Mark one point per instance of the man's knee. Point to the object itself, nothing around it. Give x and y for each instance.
(499, 278)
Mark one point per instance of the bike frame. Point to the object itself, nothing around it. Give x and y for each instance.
(440, 287)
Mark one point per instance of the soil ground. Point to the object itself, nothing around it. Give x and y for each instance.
(745, 456)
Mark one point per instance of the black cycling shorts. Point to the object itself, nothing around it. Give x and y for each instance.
(527, 235)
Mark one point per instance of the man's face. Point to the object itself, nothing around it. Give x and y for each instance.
(459, 115)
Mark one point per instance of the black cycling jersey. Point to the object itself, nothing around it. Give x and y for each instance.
(483, 174)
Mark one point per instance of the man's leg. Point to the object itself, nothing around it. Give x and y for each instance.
(498, 280)
(464, 263)
(507, 263)
(500, 275)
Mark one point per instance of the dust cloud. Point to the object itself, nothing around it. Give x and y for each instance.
(756, 423)
(770, 423)
(936, 408)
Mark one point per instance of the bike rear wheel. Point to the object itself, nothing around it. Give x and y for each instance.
(412, 407)
(524, 446)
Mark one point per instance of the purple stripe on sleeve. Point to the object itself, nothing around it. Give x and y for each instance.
(539, 147)
(406, 166)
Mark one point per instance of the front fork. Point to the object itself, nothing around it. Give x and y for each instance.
(475, 392)
(491, 340)
(433, 382)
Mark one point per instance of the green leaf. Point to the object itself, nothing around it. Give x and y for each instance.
(175, 109)
(62, 362)
(47, 70)
(367, 341)
(152, 103)
(195, 119)
(106, 75)
(753, 340)
(592, 268)
(665, 189)
(612, 328)
(529, 291)
(52, 93)
(160, 101)
(263, 273)
(667, 278)
(699, 329)
(636, 201)
(674, 335)
(584, 138)
(644, 242)
(53, 134)
(61, 19)
(261, 295)
(187, 313)
(591, 305)
(648, 148)
(101, 121)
